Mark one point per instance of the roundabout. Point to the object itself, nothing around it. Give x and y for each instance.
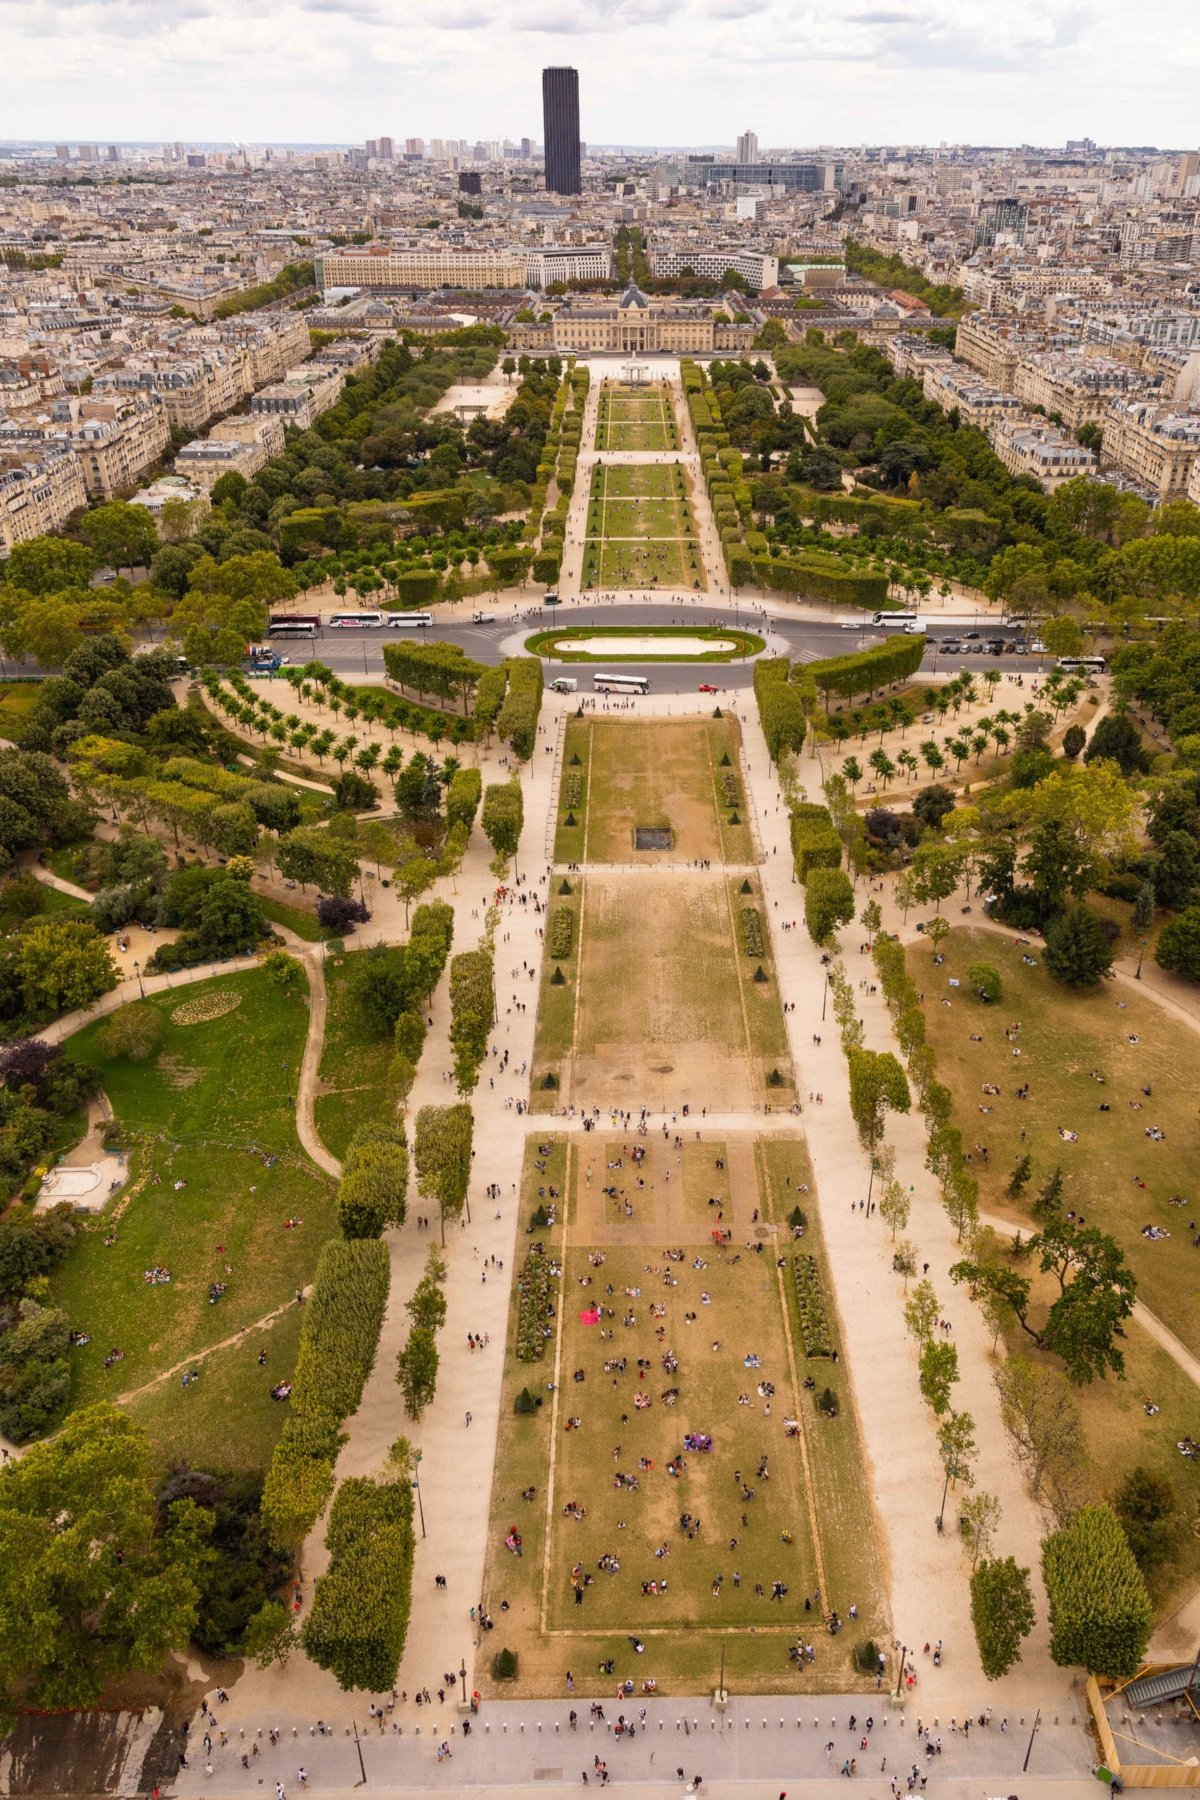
(645, 643)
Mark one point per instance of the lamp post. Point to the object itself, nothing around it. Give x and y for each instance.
(1137, 973)
(871, 1182)
(137, 969)
(824, 995)
(416, 1482)
(900, 1676)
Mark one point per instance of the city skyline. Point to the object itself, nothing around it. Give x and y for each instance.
(89, 69)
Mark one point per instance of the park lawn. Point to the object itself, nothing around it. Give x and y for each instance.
(1064, 1036)
(227, 1420)
(355, 1088)
(1121, 1435)
(217, 1098)
(765, 1030)
(556, 1002)
(659, 1020)
(576, 775)
(59, 905)
(631, 564)
(297, 919)
(17, 701)
(660, 772)
(841, 1479)
(686, 1630)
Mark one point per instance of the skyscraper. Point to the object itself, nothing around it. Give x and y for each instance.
(560, 129)
(747, 147)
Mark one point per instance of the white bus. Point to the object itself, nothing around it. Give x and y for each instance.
(400, 621)
(621, 684)
(894, 621)
(356, 621)
(1095, 665)
(293, 625)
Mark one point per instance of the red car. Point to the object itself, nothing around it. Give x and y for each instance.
(709, 687)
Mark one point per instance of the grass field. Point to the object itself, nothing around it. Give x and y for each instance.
(1064, 1037)
(354, 1087)
(206, 1113)
(653, 772)
(295, 918)
(17, 701)
(714, 1307)
(640, 530)
(630, 419)
(227, 1419)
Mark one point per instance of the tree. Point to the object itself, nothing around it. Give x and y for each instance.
(937, 930)
(852, 770)
(414, 878)
(1077, 952)
(985, 979)
(1018, 1181)
(1100, 1612)
(877, 1084)
(134, 1031)
(1074, 738)
(828, 902)
(442, 1151)
(271, 1635)
(502, 818)
(922, 1312)
(121, 536)
(872, 918)
(1178, 946)
(1042, 1417)
(63, 964)
(1001, 1612)
(416, 1370)
(285, 972)
(932, 804)
(93, 1585)
(1096, 1295)
(895, 1207)
(1148, 1509)
(48, 565)
(979, 1520)
(956, 1451)
(1117, 739)
(1176, 870)
(939, 1371)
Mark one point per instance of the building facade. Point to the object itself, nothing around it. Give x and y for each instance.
(560, 130)
(428, 266)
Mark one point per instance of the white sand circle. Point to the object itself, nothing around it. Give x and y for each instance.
(667, 648)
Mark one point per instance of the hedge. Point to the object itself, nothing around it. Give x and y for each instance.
(828, 901)
(472, 1005)
(815, 843)
(864, 670)
(442, 1152)
(443, 670)
(546, 566)
(1100, 1612)
(518, 717)
(374, 1184)
(821, 578)
(414, 587)
(342, 1319)
(463, 796)
(779, 706)
(358, 1622)
(489, 698)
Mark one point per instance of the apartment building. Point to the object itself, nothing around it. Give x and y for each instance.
(41, 485)
(1156, 447)
(301, 397)
(1078, 388)
(115, 440)
(569, 263)
(423, 266)
(956, 390)
(989, 348)
(757, 268)
(1049, 455)
(237, 446)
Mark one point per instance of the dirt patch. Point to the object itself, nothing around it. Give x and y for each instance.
(653, 837)
(179, 1073)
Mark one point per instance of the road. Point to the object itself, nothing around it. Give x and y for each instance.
(803, 638)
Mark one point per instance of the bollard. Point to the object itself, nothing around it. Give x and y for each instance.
(522, 1727)
(764, 1724)
(539, 1724)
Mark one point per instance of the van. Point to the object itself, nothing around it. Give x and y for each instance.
(564, 684)
(483, 618)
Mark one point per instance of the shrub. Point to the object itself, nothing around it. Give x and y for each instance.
(752, 933)
(814, 1327)
(505, 1665)
(985, 979)
(866, 1657)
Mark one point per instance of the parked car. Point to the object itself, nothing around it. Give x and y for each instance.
(708, 687)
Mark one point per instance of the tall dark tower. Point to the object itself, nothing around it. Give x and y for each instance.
(560, 121)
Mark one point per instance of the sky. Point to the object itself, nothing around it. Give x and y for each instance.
(798, 72)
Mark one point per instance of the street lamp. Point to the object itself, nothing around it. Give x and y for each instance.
(137, 969)
(416, 1482)
(1137, 974)
(900, 1676)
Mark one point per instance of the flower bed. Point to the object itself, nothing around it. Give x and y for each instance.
(813, 1326)
(205, 1008)
(561, 927)
(572, 789)
(752, 933)
(537, 1306)
(729, 788)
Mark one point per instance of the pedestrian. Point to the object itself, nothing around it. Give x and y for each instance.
(468, 1419)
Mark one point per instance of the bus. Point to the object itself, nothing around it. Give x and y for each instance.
(400, 620)
(1070, 665)
(294, 625)
(621, 684)
(893, 620)
(356, 621)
